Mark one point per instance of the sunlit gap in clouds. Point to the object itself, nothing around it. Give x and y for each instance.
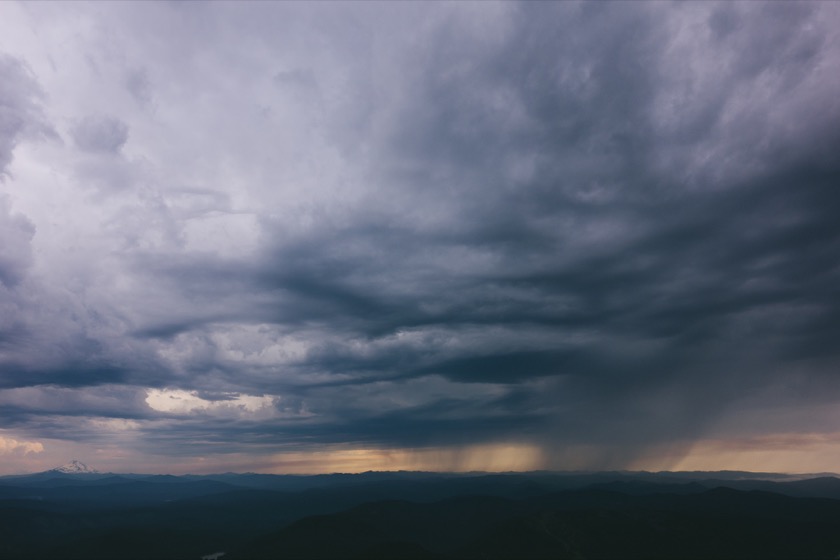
(783, 452)
(496, 457)
(791, 453)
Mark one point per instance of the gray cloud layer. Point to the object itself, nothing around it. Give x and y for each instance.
(415, 225)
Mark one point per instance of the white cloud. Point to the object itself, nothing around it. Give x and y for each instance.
(179, 401)
(10, 446)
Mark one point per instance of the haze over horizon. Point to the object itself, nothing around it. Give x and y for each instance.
(318, 237)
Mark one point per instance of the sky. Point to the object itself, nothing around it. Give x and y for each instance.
(316, 237)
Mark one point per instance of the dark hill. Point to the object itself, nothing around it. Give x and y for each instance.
(417, 515)
(720, 523)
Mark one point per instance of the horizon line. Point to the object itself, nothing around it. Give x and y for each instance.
(56, 470)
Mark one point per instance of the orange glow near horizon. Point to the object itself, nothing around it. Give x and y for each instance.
(490, 458)
(782, 453)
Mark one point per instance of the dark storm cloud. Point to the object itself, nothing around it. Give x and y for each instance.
(600, 222)
(20, 111)
(110, 401)
(139, 85)
(15, 254)
(20, 116)
(100, 134)
(671, 277)
(68, 375)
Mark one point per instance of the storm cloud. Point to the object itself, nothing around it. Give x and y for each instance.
(284, 227)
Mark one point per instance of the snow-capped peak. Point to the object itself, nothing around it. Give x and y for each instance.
(75, 467)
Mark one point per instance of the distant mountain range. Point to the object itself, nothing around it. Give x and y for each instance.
(74, 512)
